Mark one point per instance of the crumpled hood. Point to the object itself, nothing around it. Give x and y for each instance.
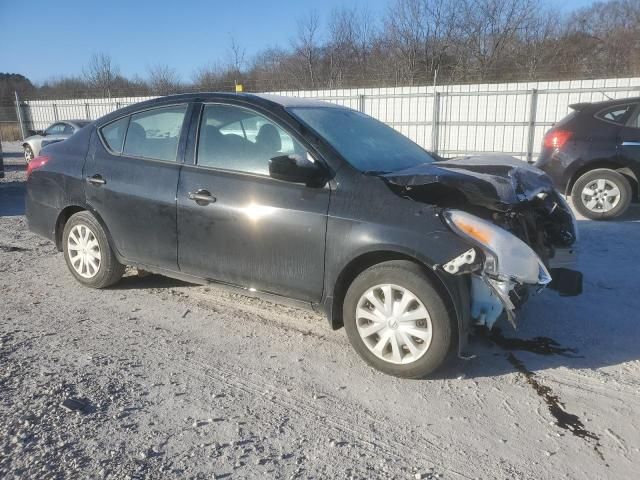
(497, 182)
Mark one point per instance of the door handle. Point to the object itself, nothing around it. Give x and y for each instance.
(202, 197)
(96, 180)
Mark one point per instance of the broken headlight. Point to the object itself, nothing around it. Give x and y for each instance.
(506, 256)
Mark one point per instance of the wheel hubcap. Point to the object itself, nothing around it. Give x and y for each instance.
(394, 324)
(28, 154)
(84, 251)
(600, 195)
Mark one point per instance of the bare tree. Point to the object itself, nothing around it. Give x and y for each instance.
(463, 40)
(419, 33)
(101, 73)
(491, 28)
(608, 36)
(236, 56)
(163, 80)
(351, 32)
(214, 77)
(306, 44)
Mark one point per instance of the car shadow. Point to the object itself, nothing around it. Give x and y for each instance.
(12, 167)
(12, 155)
(148, 281)
(12, 198)
(597, 329)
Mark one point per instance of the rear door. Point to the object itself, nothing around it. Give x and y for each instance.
(251, 230)
(132, 174)
(629, 144)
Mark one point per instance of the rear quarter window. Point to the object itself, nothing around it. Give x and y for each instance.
(113, 134)
(618, 114)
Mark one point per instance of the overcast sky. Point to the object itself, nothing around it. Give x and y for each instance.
(43, 39)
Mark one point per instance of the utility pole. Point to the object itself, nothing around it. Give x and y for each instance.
(23, 131)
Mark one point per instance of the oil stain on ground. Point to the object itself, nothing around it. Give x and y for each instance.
(539, 345)
(564, 419)
(12, 248)
(546, 346)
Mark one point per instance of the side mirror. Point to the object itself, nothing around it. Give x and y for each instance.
(295, 169)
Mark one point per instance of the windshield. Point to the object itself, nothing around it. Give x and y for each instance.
(366, 143)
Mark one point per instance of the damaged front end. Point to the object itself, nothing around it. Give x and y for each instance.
(522, 231)
(508, 269)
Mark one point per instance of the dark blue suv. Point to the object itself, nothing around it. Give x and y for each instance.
(593, 155)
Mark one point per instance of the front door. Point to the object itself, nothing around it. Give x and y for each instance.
(240, 226)
(131, 178)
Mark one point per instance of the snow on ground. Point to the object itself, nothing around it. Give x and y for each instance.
(183, 381)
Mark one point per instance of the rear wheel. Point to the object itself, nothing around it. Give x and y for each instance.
(88, 253)
(601, 194)
(28, 153)
(397, 321)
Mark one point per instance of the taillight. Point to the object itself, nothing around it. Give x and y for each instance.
(557, 138)
(36, 163)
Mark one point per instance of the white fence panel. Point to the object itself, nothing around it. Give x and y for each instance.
(451, 120)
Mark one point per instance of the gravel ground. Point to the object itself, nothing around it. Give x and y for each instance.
(173, 380)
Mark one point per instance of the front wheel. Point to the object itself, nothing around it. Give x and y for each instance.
(601, 194)
(88, 253)
(397, 321)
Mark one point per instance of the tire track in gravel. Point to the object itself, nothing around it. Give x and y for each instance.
(304, 408)
(387, 438)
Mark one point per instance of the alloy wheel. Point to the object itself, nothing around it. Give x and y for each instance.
(28, 154)
(84, 251)
(394, 324)
(600, 195)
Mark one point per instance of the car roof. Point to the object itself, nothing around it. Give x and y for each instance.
(266, 101)
(77, 122)
(287, 101)
(604, 104)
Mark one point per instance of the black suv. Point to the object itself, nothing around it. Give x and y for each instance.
(307, 202)
(593, 154)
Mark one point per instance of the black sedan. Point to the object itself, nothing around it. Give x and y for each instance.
(593, 155)
(310, 203)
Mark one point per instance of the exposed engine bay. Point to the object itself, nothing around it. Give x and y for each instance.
(523, 231)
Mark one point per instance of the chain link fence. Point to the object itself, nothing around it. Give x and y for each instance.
(452, 120)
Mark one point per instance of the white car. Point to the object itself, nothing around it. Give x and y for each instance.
(55, 133)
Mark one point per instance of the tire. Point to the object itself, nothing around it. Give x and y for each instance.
(601, 181)
(97, 272)
(430, 351)
(28, 153)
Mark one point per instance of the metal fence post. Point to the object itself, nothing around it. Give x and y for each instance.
(435, 119)
(55, 112)
(86, 111)
(533, 105)
(1, 159)
(361, 103)
(23, 130)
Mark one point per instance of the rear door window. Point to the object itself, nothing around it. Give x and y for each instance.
(634, 122)
(55, 129)
(155, 133)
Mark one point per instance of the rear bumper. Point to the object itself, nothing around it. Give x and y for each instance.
(41, 218)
